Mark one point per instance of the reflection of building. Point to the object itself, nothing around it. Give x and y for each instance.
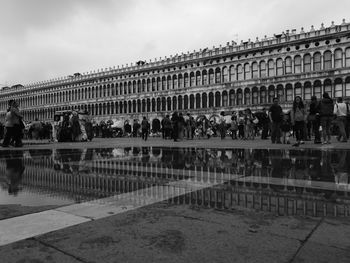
(206, 81)
(239, 177)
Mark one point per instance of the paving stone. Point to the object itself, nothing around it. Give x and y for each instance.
(313, 252)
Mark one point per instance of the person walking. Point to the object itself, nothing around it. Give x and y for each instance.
(144, 128)
(275, 116)
(13, 121)
(314, 118)
(325, 108)
(298, 117)
(341, 110)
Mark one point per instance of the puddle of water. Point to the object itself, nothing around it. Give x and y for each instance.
(287, 182)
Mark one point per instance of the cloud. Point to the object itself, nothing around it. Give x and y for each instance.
(43, 39)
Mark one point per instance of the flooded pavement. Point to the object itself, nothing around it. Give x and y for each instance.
(163, 204)
(307, 182)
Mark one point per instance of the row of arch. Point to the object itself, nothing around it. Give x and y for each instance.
(256, 69)
(239, 98)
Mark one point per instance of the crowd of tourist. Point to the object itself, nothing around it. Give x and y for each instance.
(318, 119)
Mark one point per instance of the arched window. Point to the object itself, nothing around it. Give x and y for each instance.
(280, 93)
(198, 101)
(338, 58)
(288, 65)
(232, 97)
(180, 103)
(347, 87)
(211, 76)
(198, 78)
(163, 103)
(232, 72)
(327, 60)
(271, 68)
(163, 83)
(307, 91)
(204, 101)
(174, 103)
(271, 93)
(217, 99)
(263, 69)
(153, 84)
(211, 100)
(185, 102)
(263, 95)
(255, 96)
(225, 76)
(239, 97)
(148, 85)
(224, 99)
(307, 63)
(247, 96)
(297, 64)
(159, 83)
(217, 75)
(297, 90)
(338, 88)
(180, 81)
(186, 80)
(347, 57)
(328, 87)
(318, 89)
(279, 67)
(247, 71)
(169, 83)
(168, 102)
(159, 104)
(175, 84)
(255, 70)
(143, 85)
(204, 77)
(317, 61)
(289, 92)
(192, 80)
(239, 72)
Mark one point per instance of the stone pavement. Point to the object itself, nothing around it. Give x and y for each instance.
(180, 231)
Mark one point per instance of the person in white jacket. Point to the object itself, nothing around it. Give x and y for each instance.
(341, 110)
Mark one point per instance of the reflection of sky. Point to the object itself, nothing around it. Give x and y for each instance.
(25, 198)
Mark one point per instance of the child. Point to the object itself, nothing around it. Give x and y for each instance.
(286, 127)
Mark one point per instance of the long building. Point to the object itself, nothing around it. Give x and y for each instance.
(204, 82)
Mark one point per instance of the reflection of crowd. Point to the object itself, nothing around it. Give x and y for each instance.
(306, 167)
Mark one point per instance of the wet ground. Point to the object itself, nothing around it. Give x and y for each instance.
(187, 202)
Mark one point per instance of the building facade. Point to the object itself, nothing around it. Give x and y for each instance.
(204, 82)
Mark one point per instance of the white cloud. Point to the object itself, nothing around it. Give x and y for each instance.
(43, 39)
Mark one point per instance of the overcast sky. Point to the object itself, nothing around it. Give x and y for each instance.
(46, 39)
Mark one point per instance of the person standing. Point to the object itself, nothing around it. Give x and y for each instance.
(265, 124)
(314, 118)
(298, 117)
(325, 108)
(181, 126)
(12, 124)
(175, 124)
(275, 116)
(222, 125)
(341, 110)
(144, 128)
